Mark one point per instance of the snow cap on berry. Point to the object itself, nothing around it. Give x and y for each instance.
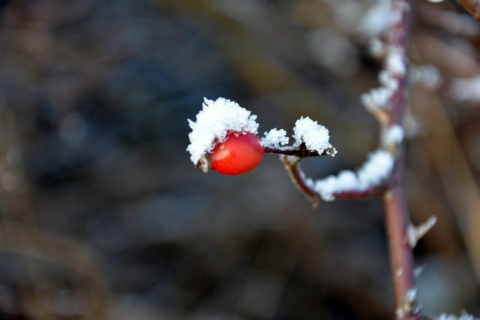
(214, 121)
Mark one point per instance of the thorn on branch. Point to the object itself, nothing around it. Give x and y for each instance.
(415, 233)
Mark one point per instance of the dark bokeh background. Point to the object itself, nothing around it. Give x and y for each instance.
(103, 216)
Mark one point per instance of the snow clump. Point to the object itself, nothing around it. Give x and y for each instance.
(214, 122)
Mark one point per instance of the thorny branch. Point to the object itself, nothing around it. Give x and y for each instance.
(398, 225)
(396, 216)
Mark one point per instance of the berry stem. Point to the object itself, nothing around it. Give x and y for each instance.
(300, 152)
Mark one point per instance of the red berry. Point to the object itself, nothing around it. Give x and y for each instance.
(239, 153)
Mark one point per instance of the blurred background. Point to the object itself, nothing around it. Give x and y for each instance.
(103, 216)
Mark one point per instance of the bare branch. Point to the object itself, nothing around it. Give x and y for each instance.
(396, 215)
(300, 152)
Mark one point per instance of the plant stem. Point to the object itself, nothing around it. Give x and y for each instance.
(401, 256)
(396, 216)
(300, 151)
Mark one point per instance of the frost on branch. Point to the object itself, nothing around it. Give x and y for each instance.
(394, 62)
(213, 122)
(275, 139)
(375, 19)
(465, 89)
(315, 136)
(393, 136)
(428, 76)
(310, 139)
(376, 98)
(372, 174)
(463, 316)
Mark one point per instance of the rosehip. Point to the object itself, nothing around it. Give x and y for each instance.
(239, 153)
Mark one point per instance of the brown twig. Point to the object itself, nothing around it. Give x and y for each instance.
(298, 179)
(396, 216)
(300, 152)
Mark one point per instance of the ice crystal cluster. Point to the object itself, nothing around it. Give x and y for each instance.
(308, 132)
(395, 66)
(393, 135)
(315, 136)
(275, 138)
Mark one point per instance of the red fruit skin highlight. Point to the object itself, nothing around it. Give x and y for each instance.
(239, 153)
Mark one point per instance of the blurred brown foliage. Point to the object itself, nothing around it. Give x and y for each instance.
(102, 216)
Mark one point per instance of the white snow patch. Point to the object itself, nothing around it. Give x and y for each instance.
(315, 136)
(376, 98)
(393, 135)
(371, 174)
(411, 295)
(463, 316)
(427, 75)
(376, 169)
(376, 47)
(375, 20)
(395, 62)
(465, 89)
(275, 138)
(214, 121)
(387, 80)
